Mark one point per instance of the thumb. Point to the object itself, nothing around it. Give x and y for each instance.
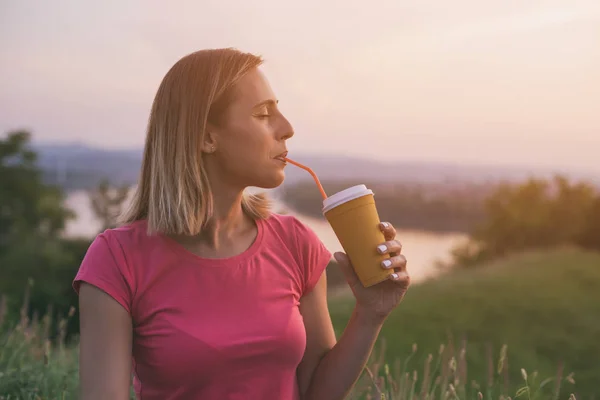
(346, 267)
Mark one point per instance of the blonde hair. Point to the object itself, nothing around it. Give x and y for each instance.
(173, 192)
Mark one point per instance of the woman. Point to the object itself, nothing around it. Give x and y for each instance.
(203, 293)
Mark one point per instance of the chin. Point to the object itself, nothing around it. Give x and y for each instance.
(271, 182)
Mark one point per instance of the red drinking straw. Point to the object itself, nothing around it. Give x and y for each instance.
(310, 171)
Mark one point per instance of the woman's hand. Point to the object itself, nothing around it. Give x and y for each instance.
(375, 303)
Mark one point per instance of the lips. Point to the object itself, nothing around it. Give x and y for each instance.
(282, 156)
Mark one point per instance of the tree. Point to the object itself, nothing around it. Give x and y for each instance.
(32, 220)
(537, 214)
(107, 203)
(590, 234)
(26, 205)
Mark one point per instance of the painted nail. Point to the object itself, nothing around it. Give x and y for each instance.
(402, 275)
(385, 224)
(394, 276)
(382, 248)
(386, 263)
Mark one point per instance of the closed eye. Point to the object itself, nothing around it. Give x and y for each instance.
(263, 109)
(263, 113)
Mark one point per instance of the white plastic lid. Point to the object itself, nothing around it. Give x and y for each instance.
(345, 196)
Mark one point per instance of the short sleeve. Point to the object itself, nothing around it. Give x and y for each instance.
(312, 253)
(105, 267)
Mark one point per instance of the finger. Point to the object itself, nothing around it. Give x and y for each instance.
(401, 278)
(388, 230)
(346, 267)
(390, 247)
(397, 262)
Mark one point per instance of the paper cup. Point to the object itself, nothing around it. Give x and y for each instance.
(353, 217)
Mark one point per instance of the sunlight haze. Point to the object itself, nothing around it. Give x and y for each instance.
(494, 82)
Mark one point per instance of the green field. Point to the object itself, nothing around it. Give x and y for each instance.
(544, 307)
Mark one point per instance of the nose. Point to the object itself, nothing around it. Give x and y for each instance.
(285, 129)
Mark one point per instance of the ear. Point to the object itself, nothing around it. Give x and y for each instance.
(209, 144)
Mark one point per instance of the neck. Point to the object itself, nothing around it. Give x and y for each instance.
(228, 219)
(228, 225)
(228, 232)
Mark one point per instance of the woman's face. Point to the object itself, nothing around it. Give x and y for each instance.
(251, 137)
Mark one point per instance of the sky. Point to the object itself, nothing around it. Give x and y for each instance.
(465, 81)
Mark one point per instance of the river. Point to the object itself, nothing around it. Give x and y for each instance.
(422, 249)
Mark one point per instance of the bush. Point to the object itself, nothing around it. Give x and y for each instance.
(32, 220)
(537, 214)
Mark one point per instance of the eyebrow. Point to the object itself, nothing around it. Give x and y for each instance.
(269, 102)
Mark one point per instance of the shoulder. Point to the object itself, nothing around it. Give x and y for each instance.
(299, 237)
(124, 239)
(281, 220)
(291, 229)
(134, 233)
(311, 255)
(116, 242)
(108, 262)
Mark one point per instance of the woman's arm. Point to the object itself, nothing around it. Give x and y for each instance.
(105, 346)
(320, 336)
(329, 370)
(333, 368)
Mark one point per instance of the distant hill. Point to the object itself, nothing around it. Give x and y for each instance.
(349, 168)
(81, 167)
(75, 166)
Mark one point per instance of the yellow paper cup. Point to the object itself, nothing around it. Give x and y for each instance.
(353, 217)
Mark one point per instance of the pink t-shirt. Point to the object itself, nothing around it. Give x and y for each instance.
(211, 328)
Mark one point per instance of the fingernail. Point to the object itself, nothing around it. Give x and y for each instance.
(382, 248)
(386, 263)
(385, 224)
(394, 276)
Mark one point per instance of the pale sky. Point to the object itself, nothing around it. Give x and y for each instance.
(512, 82)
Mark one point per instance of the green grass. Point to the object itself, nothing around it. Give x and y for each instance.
(544, 306)
(34, 366)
